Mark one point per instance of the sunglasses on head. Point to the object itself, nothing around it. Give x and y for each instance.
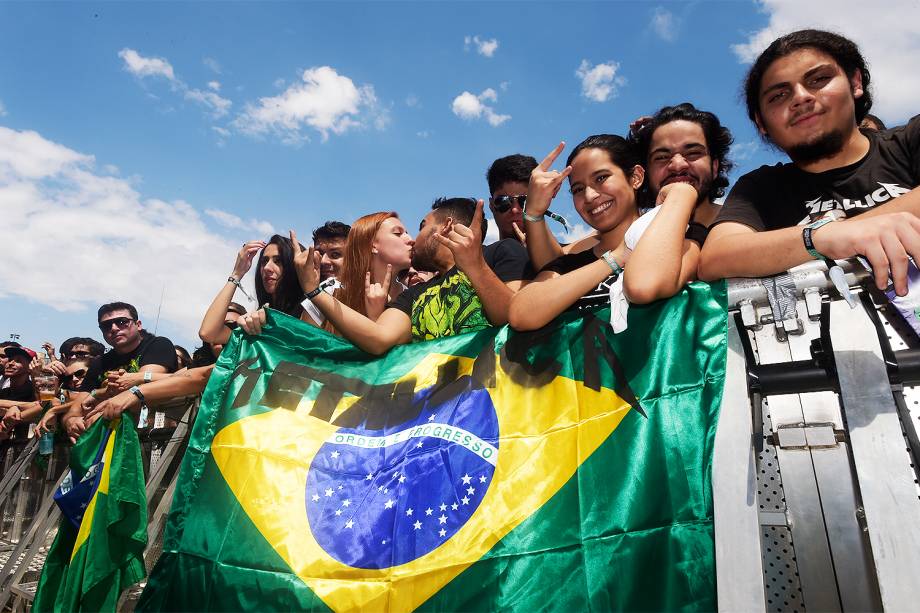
(503, 203)
(120, 322)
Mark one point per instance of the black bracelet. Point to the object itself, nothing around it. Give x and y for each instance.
(313, 293)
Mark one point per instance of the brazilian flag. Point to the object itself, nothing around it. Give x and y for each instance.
(563, 469)
(99, 547)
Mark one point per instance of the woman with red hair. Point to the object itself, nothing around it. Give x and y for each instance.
(378, 248)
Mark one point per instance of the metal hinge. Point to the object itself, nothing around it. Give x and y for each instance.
(808, 436)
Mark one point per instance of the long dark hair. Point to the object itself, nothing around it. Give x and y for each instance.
(288, 294)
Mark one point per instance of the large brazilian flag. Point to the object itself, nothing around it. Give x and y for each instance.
(563, 469)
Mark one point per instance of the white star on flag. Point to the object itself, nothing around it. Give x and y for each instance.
(328, 491)
(334, 454)
(368, 477)
(471, 490)
(443, 507)
(429, 511)
(466, 479)
(431, 417)
(388, 504)
(349, 524)
(465, 500)
(442, 532)
(402, 478)
(315, 498)
(418, 525)
(346, 503)
(454, 506)
(419, 444)
(442, 519)
(408, 512)
(482, 478)
(338, 511)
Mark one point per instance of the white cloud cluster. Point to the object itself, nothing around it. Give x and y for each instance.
(235, 222)
(130, 247)
(470, 106)
(483, 46)
(664, 24)
(885, 36)
(324, 101)
(601, 82)
(143, 67)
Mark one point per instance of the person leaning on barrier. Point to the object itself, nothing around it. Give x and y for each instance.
(329, 241)
(807, 93)
(472, 290)
(19, 400)
(136, 357)
(187, 382)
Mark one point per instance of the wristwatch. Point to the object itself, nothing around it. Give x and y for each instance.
(808, 232)
(148, 376)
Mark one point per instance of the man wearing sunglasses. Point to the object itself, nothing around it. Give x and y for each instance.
(508, 178)
(136, 356)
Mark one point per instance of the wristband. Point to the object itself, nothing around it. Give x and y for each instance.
(148, 376)
(140, 395)
(808, 234)
(611, 261)
(532, 218)
(236, 282)
(313, 293)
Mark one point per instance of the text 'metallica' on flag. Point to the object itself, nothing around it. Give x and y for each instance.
(567, 468)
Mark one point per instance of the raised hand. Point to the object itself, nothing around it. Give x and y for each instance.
(306, 263)
(244, 258)
(545, 183)
(465, 242)
(676, 189)
(376, 295)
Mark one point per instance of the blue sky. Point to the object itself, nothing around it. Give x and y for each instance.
(140, 145)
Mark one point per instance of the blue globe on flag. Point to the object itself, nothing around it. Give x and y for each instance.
(381, 498)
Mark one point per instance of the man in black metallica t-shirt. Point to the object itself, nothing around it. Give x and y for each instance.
(807, 93)
(133, 350)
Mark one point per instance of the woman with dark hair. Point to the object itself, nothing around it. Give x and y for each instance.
(378, 248)
(605, 176)
(183, 359)
(276, 286)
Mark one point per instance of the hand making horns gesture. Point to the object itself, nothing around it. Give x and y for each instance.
(545, 183)
(376, 295)
(306, 263)
(465, 242)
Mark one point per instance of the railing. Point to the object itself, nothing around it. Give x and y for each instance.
(29, 518)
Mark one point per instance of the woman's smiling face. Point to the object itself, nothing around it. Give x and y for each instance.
(603, 194)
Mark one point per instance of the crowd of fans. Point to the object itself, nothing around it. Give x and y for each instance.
(650, 198)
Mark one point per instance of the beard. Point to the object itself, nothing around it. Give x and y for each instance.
(422, 259)
(823, 147)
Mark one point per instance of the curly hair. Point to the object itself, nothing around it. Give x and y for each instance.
(844, 51)
(718, 140)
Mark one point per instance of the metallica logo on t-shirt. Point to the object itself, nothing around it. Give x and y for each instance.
(781, 196)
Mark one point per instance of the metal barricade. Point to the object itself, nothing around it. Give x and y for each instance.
(29, 517)
(814, 478)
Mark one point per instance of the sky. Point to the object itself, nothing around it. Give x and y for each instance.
(141, 144)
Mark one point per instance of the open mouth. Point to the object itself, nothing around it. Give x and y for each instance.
(601, 208)
(679, 179)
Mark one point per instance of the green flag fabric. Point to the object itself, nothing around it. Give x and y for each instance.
(88, 567)
(564, 469)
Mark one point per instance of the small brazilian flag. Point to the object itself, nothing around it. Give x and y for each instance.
(99, 548)
(563, 469)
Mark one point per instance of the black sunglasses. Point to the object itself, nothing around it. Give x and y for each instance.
(77, 354)
(232, 325)
(503, 203)
(79, 373)
(120, 322)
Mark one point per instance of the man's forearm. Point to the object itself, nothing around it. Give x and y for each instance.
(752, 254)
(187, 383)
(908, 203)
(494, 295)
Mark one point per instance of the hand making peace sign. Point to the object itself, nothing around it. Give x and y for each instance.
(545, 183)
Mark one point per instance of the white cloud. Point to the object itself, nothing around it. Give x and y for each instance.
(743, 151)
(887, 38)
(599, 83)
(213, 64)
(235, 222)
(470, 106)
(141, 66)
(485, 47)
(130, 246)
(325, 101)
(215, 85)
(664, 24)
(492, 234)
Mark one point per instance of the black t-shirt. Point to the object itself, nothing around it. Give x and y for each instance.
(781, 196)
(600, 295)
(448, 304)
(152, 350)
(19, 393)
